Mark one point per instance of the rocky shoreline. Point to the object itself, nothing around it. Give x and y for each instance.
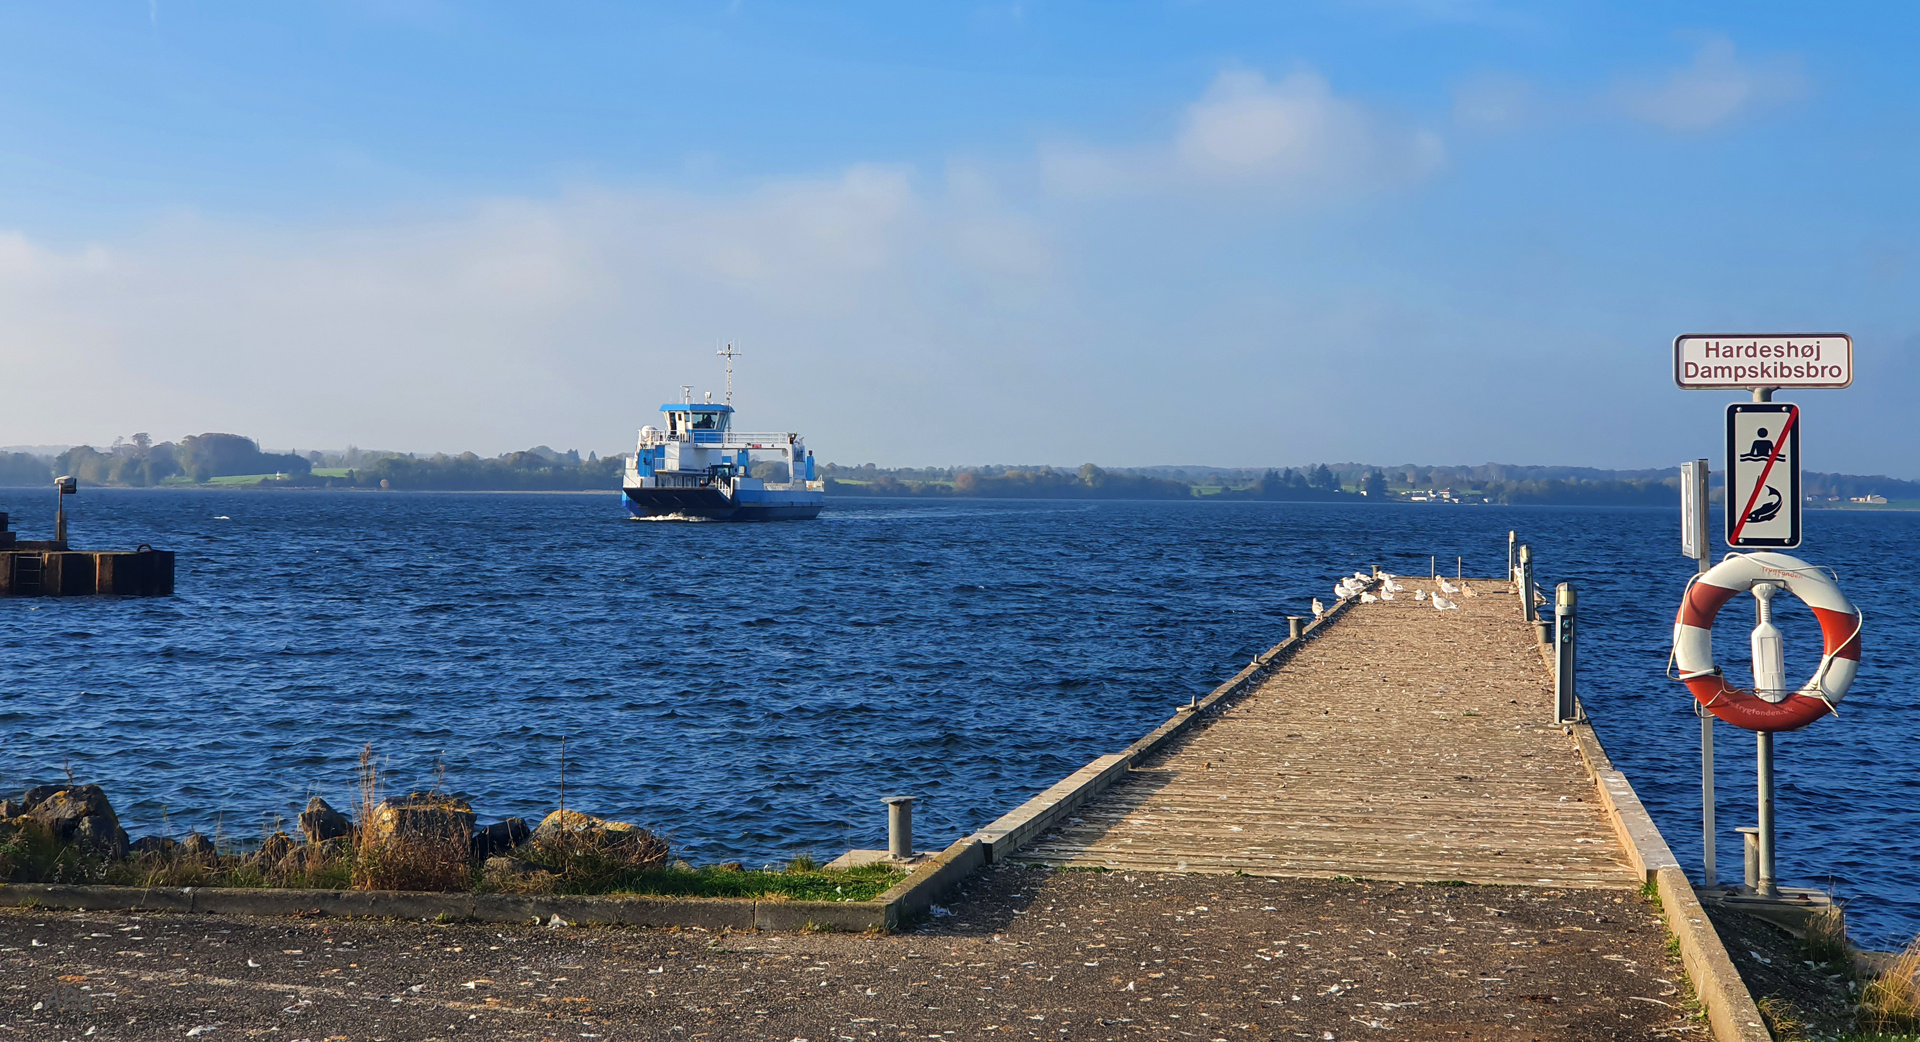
(422, 841)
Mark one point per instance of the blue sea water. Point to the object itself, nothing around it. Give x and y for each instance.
(753, 690)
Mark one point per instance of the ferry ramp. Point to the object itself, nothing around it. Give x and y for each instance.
(1405, 743)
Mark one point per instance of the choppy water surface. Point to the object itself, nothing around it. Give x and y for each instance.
(753, 690)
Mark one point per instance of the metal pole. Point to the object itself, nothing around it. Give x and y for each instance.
(1708, 857)
(899, 827)
(1526, 582)
(1564, 601)
(1764, 741)
(1294, 626)
(1511, 536)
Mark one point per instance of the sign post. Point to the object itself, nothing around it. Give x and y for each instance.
(1694, 544)
(1763, 501)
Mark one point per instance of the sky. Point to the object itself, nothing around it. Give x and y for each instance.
(1189, 232)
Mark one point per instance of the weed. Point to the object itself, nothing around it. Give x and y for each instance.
(1783, 1020)
(1826, 940)
(1891, 1000)
(803, 863)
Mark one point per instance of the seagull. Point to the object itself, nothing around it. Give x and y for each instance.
(1447, 587)
(1391, 586)
(1419, 595)
(1317, 609)
(1442, 604)
(1467, 591)
(1367, 598)
(1386, 595)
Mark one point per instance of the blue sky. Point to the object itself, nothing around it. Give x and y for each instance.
(1193, 232)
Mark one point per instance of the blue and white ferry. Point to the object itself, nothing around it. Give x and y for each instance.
(695, 465)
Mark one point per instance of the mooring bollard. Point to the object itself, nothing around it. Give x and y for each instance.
(1295, 625)
(1543, 631)
(1751, 836)
(899, 827)
(1524, 582)
(1564, 600)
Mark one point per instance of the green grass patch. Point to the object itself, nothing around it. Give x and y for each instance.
(332, 472)
(819, 884)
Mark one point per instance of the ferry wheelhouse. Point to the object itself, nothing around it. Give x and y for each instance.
(695, 465)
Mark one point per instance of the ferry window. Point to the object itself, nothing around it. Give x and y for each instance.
(673, 424)
(705, 422)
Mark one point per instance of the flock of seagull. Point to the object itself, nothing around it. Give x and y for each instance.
(1355, 585)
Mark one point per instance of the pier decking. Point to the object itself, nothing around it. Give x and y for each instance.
(1403, 744)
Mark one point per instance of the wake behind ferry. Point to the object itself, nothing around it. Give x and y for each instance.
(695, 465)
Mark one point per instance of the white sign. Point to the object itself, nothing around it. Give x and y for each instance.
(1719, 360)
(1693, 509)
(1763, 475)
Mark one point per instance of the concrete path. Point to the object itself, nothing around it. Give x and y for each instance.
(1021, 953)
(1405, 743)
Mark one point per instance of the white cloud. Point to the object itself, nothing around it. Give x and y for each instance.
(1293, 141)
(1717, 87)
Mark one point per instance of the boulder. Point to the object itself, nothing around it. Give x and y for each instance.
(161, 845)
(428, 817)
(273, 849)
(81, 816)
(198, 847)
(500, 837)
(569, 829)
(515, 876)
(320, 822)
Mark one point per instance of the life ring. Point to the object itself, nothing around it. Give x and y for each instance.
(1693, 642)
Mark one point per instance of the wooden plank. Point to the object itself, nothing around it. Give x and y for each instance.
(1406, 744)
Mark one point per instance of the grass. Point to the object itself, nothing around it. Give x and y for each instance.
(1890, 1003)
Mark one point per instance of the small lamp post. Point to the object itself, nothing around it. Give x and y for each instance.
(67, 487)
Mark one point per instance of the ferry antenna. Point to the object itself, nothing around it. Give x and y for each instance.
(728, 354)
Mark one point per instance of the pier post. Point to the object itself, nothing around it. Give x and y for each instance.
(1564, 602)
(1764, 741)
(1525, 582)
(1295, 623)
(1511, 536)
(65, 487)
(899, 827)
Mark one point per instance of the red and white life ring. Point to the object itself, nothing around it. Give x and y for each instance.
(1693, 642)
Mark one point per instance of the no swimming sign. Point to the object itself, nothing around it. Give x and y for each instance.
(1763, 475)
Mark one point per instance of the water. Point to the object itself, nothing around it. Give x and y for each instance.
(753, 691)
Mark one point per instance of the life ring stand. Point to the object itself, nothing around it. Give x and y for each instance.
(1840, 624)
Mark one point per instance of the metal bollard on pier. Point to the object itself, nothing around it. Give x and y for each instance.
(899, 827)
(1564, 706)
(1295, 625)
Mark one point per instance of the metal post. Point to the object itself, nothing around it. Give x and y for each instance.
(1526, 581)
(1750, 844)
(1564, 601)
(899, 827)
(1295, 624)
(63, 486)
(1511, 536)
(1764, 741)
(1709, 858)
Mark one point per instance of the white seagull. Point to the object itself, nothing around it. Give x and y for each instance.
(1367, 598)
(1447, 587)
(1386, 595)
(1419, 595)
(1317, 609)
(1442, 604)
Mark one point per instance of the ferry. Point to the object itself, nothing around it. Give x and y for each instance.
(696, 466)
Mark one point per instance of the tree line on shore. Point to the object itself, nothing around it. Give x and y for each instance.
(197, 459)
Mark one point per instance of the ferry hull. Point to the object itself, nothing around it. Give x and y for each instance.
(714, 505)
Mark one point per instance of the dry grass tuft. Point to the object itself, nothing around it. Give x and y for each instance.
(424, 856)
(1826, 939)
(1891, 1001)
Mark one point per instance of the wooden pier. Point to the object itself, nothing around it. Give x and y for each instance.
(1405, 743)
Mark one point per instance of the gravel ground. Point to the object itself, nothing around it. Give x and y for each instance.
(1021, 952)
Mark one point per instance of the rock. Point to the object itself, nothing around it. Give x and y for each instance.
(160, 845)
(500, 837)
(627, 842)
(682, 866)
(80, 815)
(514, 876)
(273, 849)
(33, 797)
(429, 817)
(320, 822)
(729, 866)
(198, 847)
